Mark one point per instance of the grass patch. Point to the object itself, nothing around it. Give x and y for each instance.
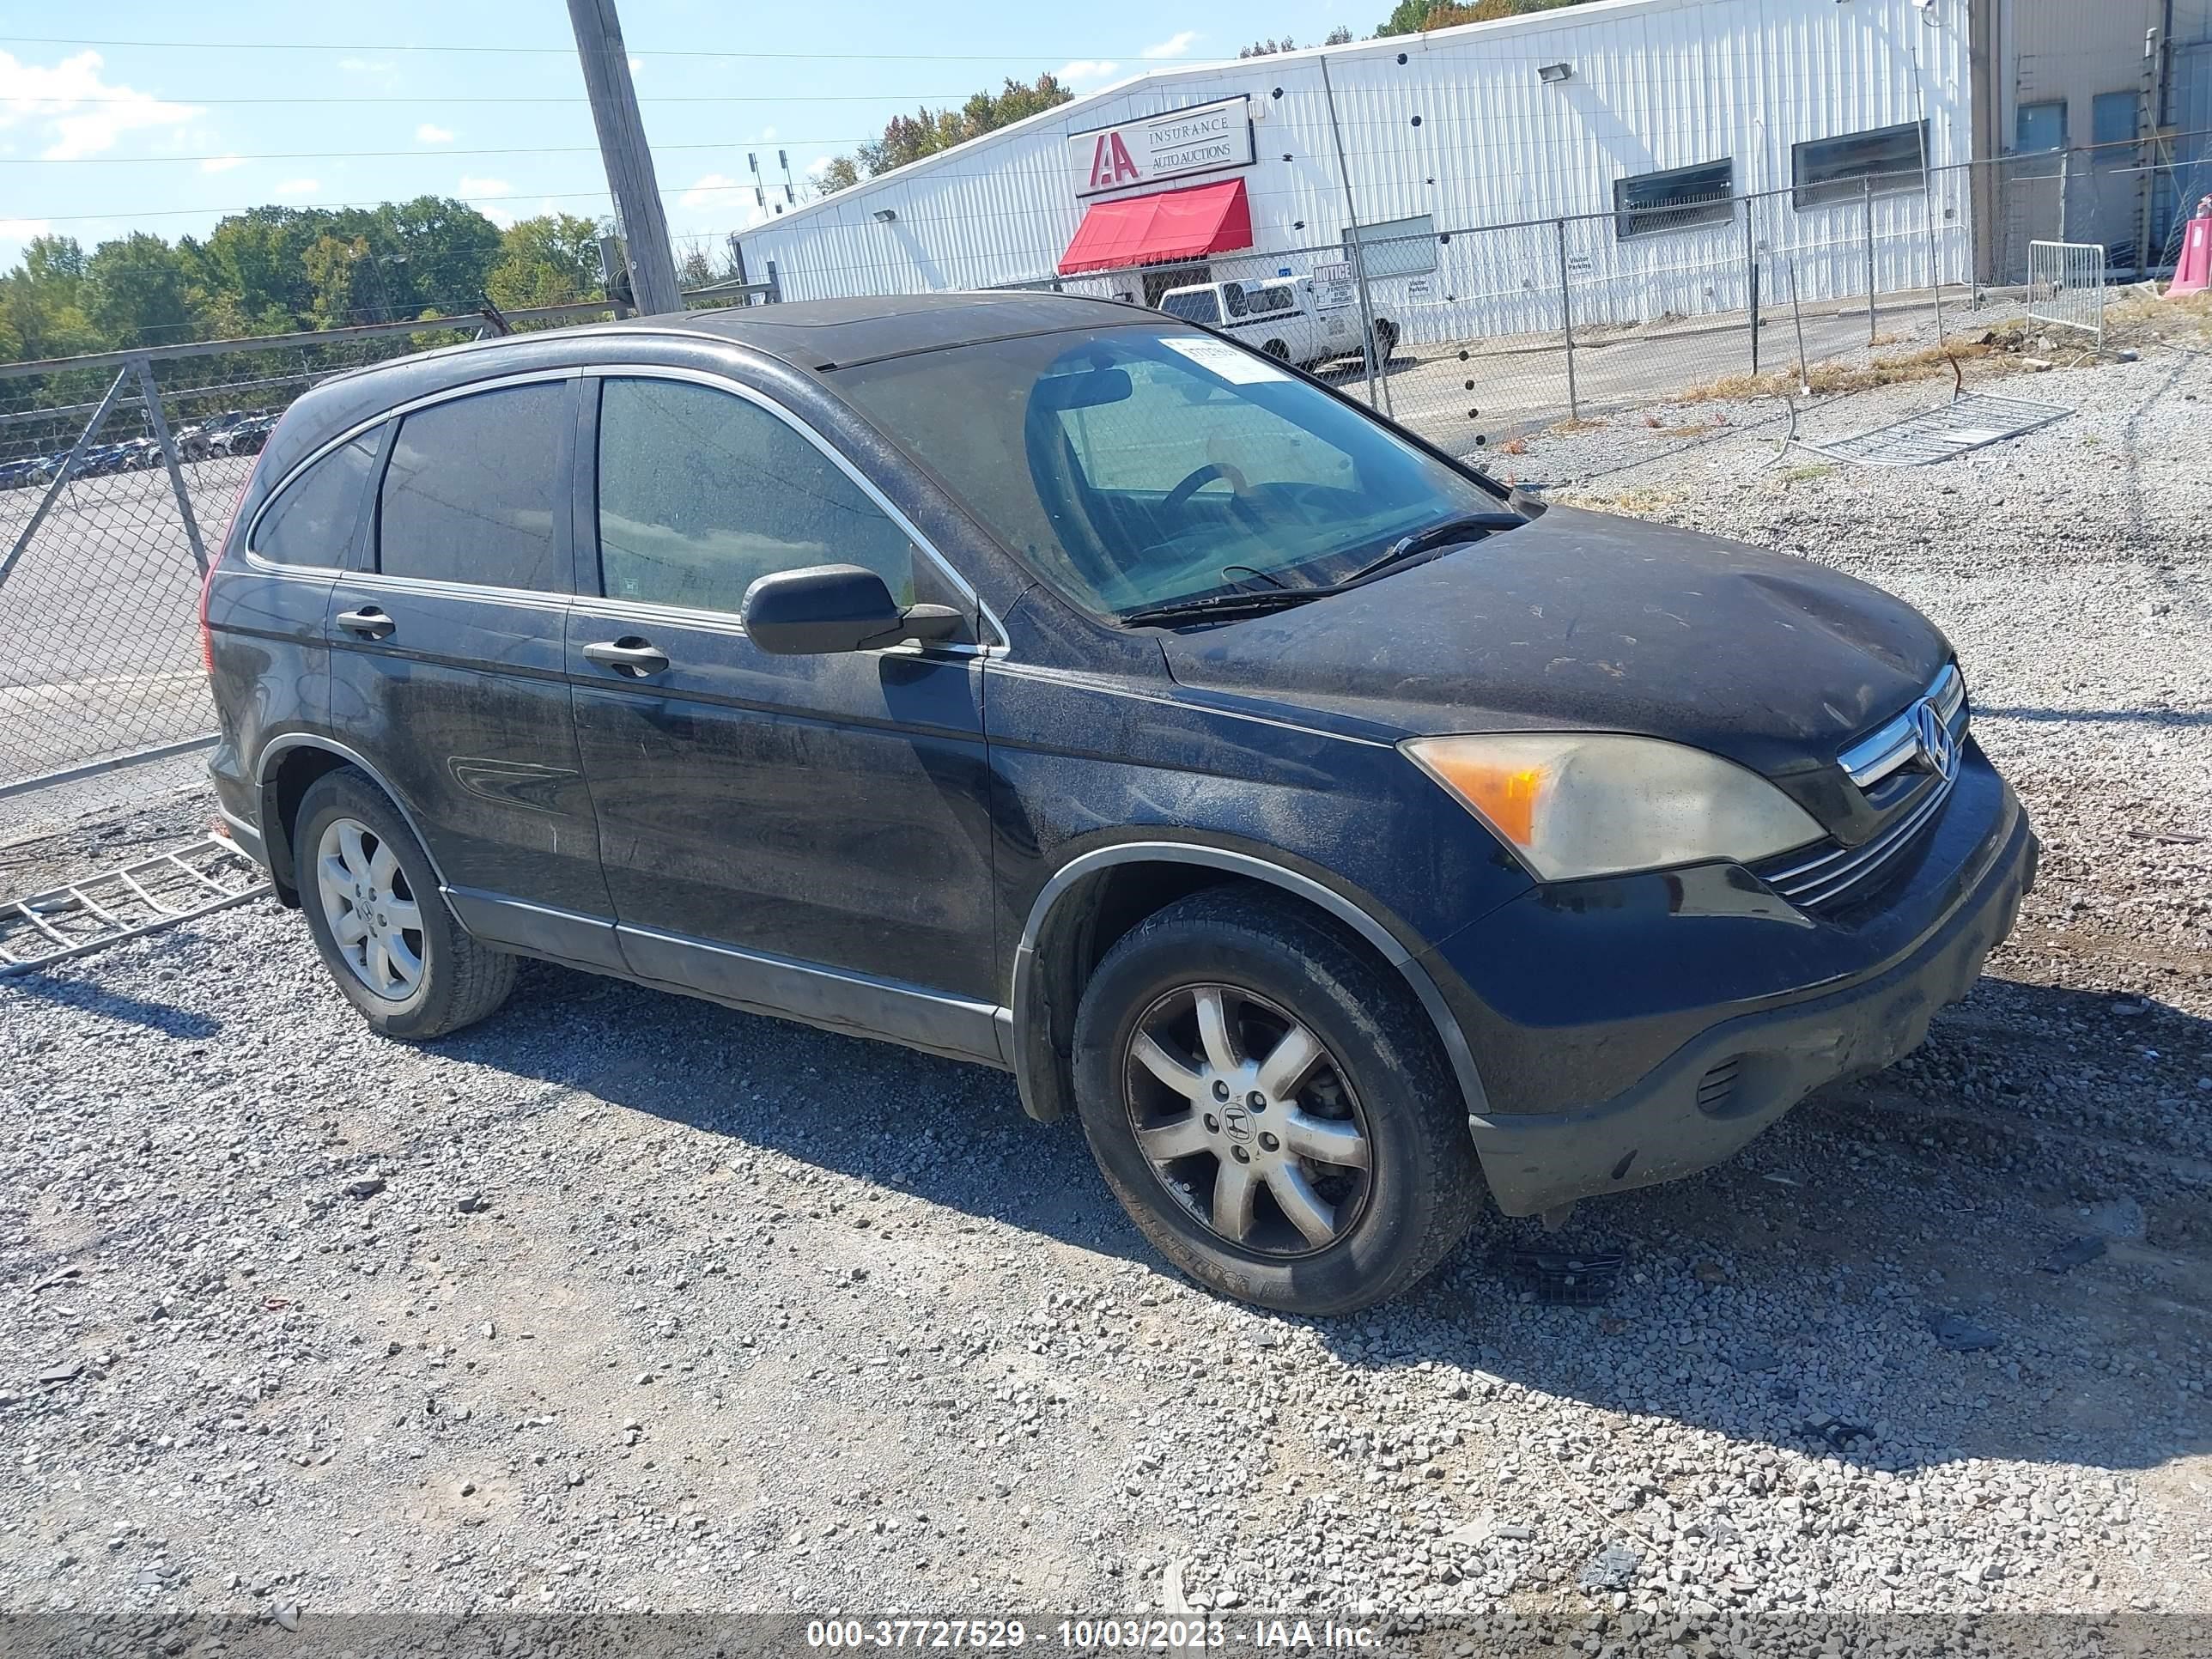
(1568, 426)
(1926, 363)
(1798, 475)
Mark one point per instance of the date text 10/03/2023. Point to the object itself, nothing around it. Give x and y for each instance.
(1112, 1635)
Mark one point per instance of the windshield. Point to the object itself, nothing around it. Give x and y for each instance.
(1146, 465)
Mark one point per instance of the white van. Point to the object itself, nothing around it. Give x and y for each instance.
(1279, 316)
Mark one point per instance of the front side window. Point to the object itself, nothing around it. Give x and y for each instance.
(1199, 306)
(312, 520)
(472, 490)
(702, 493)
(1141, 466)
(1677, 199)
(1882, 161)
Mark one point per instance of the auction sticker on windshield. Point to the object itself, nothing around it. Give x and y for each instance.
(1237, 367)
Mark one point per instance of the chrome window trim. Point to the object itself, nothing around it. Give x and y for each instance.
(253, 526)
(718, 382)
(1874, 756)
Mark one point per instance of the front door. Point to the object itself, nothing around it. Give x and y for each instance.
(803, 835)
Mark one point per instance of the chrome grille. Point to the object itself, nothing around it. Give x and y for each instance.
(1827, 873)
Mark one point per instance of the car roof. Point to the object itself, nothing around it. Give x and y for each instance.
(822, 334)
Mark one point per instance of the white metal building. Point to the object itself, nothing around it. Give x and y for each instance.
(1632, 113)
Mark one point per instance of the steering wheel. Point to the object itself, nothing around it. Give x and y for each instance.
(1198, 480)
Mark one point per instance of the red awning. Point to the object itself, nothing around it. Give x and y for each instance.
(1172, 224)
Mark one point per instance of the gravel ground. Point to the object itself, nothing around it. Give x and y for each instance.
(625, 1302)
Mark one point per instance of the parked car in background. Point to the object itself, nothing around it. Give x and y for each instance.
(1336, 832)
(246, 437)
(1281, 319)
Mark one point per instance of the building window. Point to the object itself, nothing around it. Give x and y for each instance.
(2112, 117)
(1646, 203)
(1839, 169)
(2039, 126)
(1397, 248)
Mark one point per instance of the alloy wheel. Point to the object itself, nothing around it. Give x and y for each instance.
(373, 916)
(1247, 1119)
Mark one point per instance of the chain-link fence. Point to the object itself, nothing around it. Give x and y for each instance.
(117, 471)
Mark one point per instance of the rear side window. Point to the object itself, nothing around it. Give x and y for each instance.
(312, 521)
(701, 493)
(473, 489)
(1198, 306)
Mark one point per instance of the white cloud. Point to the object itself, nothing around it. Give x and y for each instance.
(819, 165)
(21, 230)
(717, 190)
(1086, 69)
(363, 66)
(1176, 45)
(768, 135)
(75, 111)
(295, 190)
(471, 185)
(637, 68)
(431, 133)
(221, 163)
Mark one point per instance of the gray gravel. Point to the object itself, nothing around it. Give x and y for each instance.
(660, 1306)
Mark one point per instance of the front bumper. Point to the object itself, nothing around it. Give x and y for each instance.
(1715, 1092)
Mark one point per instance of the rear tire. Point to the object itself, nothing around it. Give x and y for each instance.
(1385, 341)
(405, 961)
(1277, 350)
(1365, 1142)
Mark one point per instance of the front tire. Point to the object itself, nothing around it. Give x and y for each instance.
(1270, 1106)
(379, 922)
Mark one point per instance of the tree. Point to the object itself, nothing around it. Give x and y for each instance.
(1339, 36)
(550, 260)
(135, 292)
(909, 138)
(1416, 16)
(41, 301)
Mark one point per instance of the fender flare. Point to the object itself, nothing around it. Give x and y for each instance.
(263, 784)
(1252, 867)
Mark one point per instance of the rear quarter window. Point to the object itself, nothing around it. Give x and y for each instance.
(313, 519)
(472, 492)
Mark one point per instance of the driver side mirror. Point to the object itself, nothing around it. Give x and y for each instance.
(837, 607)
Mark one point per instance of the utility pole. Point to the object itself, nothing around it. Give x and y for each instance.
(629, 162)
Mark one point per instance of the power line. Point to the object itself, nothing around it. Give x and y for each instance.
(431, 153)
(552, 98)
(382, 201)
(556, 52)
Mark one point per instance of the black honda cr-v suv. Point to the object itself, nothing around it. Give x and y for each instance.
(1051, 684)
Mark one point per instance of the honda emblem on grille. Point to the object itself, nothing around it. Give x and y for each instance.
(1939, 752)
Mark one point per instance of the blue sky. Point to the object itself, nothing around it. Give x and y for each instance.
(99, 137)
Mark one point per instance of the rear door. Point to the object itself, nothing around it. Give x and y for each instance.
(805, 835)
(449, 661)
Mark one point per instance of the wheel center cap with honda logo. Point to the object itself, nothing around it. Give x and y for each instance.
(1236, 1121)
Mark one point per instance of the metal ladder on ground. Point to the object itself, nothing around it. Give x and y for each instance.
(127, 903)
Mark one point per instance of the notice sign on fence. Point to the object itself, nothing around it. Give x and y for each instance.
(1334, 287)
(1203, 138)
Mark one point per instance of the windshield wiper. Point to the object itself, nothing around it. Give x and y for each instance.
(1464, 527)
(1252, 600)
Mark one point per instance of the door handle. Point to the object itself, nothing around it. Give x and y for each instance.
(368, 621)
(629, 655)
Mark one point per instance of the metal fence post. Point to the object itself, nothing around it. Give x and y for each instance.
(1358, 248)
(1751, 278)
(153, 418)
(1567, 320)
(2065, 185)
(1874, 328)
(69, 470)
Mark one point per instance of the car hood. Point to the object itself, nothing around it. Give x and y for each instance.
(1584, 622)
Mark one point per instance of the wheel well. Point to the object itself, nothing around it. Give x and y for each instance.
(1086, 923)
(282, 792)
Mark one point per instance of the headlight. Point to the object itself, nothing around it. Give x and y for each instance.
(1591, 804)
